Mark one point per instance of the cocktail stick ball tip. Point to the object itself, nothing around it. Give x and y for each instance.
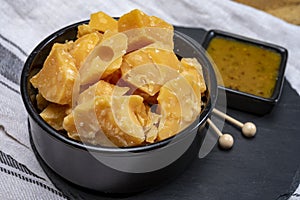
(226, 141)
(249, 129)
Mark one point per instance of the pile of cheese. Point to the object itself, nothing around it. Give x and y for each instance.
(119, 83)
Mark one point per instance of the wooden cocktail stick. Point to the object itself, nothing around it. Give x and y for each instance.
(225, 140)
(248, 128)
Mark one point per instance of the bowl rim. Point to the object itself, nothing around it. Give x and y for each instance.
(24, 87)
(266, 45)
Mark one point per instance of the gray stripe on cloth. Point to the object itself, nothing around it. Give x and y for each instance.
(10, 65)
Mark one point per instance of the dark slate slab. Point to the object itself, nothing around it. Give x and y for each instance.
(265, 167)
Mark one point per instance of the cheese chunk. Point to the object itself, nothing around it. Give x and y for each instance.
(54, 115)
(138, 19)
(104, 59)
(84, 29)
(103, 22)
(56, 79)
(178, 106)
(121, 119)
(83, 46)
(150, 68)
(101, 88)
(143, 30)
(151, 130)
(192, 71)
(112, 67)
(99, 22)
(41, 102)
(170, 110)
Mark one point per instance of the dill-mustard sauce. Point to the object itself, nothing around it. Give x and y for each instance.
(245, 67)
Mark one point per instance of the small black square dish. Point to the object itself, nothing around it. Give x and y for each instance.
(252, 71)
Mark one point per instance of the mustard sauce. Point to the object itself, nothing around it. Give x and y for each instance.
(245, 67)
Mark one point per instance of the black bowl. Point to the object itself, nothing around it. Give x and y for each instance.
(247, 101)
(114, 170)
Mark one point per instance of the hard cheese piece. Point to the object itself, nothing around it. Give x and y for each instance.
(120, 118)
(130, 116)
(150, 37)
(115, 77)
(151, 130)
(70, 126)
(112, 67)
(56, 79)
(82, 123)
(41, 102)
(192, 71)
(86, 128)
(54, 115)
(99, 89)
(170, 110)
(178, 106)
(84, 29)
(143, 30)
(150, 68)
(83, 46)
(103, 22)
(103, 55)
(99, 22)
(87, 97)
(138, 19)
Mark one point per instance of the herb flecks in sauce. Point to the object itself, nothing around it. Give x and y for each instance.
(245, 67)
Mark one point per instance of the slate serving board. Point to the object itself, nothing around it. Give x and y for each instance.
(265, 167)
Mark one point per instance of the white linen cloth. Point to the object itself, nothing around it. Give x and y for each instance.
(25, 23)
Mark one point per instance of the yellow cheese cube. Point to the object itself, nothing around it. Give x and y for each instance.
(151, 130)
(56, 79)
(120, 118)
(101, 88)
(178, 106)
(83, 46)
(138, 19)
(192, 71)
(41, 102)
(103, 22)
(143, 30)
(104, 59)
(84, 29)
(54, 115)
(150, 68)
